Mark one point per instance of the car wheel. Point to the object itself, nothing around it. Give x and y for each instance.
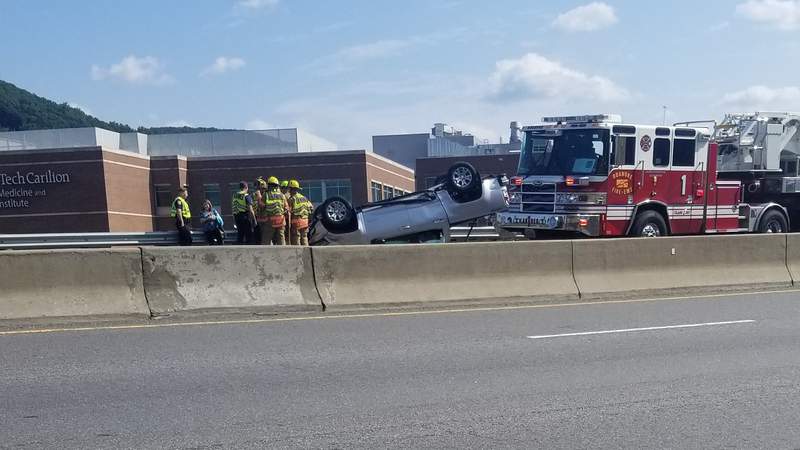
(773, 222)
(336, 214)
(649, 224)
(462, 177)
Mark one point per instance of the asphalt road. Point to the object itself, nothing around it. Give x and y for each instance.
(443, 380)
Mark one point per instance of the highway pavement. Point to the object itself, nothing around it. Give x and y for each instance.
(706, 372)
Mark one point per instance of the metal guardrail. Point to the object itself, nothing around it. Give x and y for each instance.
(93, 240)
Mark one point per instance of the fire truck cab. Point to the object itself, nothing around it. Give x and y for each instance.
(596, 176)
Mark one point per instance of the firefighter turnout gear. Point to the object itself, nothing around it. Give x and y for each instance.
(272, 210)
(301, 209)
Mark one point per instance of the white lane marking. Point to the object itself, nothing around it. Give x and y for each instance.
(629, 330)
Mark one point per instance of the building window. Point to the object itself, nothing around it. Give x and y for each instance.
(683, 153)
(163, 196)
(661, 152)
(314, 191)
(388, 192)
(233, 188)
(398, 192)
(213, 194)
(319, 190)
(376, 190)
(339, 188)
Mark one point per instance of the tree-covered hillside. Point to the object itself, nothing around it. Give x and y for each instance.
(22, 110)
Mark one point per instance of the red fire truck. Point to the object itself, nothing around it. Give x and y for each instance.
(596, 176)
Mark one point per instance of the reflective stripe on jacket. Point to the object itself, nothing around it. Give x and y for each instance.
(274, 203)
(301, 207)
(239, 203)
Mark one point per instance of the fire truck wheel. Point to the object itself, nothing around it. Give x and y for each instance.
(773, 222)
(649, 224)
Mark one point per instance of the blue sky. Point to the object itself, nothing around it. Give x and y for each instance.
(346, 70)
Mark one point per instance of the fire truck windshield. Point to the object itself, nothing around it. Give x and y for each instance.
(565, 152)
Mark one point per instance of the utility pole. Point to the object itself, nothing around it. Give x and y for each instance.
(664, 121)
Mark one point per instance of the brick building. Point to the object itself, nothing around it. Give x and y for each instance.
(96, 189)
(428, 169)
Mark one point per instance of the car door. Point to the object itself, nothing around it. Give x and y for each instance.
(386, 220)
(426, 214)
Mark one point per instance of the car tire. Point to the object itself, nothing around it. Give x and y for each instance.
(463, 178)
(336, 214)
(649, 224)
(773, 222)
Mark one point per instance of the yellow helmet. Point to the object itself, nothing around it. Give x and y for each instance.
(294, 184)
(273, 180)
(284, 184)
(261, 182)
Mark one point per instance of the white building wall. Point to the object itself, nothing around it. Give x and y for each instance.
(107, 139)
(42, 139)
(309, 142)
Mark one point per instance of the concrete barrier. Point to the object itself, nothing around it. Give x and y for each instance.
(194, 278)
(56, 283)
(401, 274)
(793, 257)
(673, 265)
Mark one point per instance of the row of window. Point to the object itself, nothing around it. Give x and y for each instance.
(623, 152)
(317, 191)
(379, 191)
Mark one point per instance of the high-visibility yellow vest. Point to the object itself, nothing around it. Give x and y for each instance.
(239, 202)
(184, 208)
(274, 203)
(301, 207)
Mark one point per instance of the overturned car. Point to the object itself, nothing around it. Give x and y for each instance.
(425, 216)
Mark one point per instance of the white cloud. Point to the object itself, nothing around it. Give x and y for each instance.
(534, 76)
(783, 14)
(224, 64)
(257, 4)
(346, 58)
(258, 124)
(373, 50)
(481, 132)
(133, 69)
(763, 97)
(591, 17)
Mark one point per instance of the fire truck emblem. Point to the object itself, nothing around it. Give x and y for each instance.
(646, 143)
(621, 182)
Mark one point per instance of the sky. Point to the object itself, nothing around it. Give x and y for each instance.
(348, 70)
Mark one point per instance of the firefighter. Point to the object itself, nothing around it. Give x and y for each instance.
(275, 209)
(258, 196)
(182, 214)
(243, 215)
(300, 209)
(287, 230)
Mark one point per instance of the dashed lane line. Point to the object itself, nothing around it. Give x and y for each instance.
(386, 314)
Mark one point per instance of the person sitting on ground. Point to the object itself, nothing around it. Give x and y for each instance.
(212, 224)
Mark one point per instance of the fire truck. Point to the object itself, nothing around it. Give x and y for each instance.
(597, 176)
